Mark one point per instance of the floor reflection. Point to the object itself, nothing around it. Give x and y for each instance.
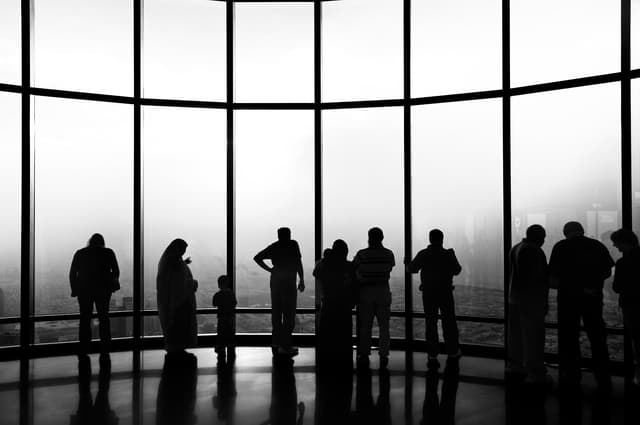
(224, 402)
(284, 409)
(368, 412)
(88, 412)
(334, 395)
(440, 409)
(176, 400)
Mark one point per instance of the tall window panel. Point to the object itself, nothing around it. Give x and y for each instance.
(10, 196)
(635, 163)
(185, 183)
(363, 182)
(557, 40)
(274, 188)
(635, 34)
(455, 46)
(184, 49)
(10, 42)
(456, 172)
(362, 50)
(566, 167)
(274, 52)
(83, 185)
(84, 45)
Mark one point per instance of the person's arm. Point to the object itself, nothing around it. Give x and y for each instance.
(553, 268)
(456, 268)
(608, 262)
(617, 278)
(114, 265)
(73, 275)
(414, 265)
(261, 256)
(300, 270)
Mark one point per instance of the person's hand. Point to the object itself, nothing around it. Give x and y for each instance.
(301, 286)
(195, 284)
(187, 260)
(406, 261)
(73, 294)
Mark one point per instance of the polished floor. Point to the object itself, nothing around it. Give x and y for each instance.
(256, 391)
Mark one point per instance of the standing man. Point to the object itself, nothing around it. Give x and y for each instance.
(94, 277)
(578, 266)
(437, 267)
(528, 305)
(286, 262)
(373, 269)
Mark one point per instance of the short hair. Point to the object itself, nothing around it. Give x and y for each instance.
(339, 249)
(284, 233)
(376, 235)
(326, 253)
(625, 236)
(96, 240)
(224, 281)
(572, 227)
(535, 231)
(436, 236)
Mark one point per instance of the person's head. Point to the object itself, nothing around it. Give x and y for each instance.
(624, 239)
(436, 237)
(224, 282)
(536, 234)
(326, 253)
(284, 234)
(339, 249)
(572, 229)
(96, 241)
(177, 248)
(375, 236)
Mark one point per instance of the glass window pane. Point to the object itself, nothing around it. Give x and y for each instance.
(84, 46)
(635, 34)
(274, 188)
(10, 198)
(185, 186)
(557, 40)
(566, 166)
(456, 46)
(185, 49)
(10, 56)
(470, 333)
(363, 182)
(457, 187)
(83, 185)
(274, 52)
(362, 50)
(635, 165)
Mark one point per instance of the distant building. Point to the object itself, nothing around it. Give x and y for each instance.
(127, 303)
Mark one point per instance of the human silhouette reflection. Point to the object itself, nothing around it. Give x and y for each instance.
(572, 408)
(225, 399)
(177, 391)
(525, 403)
(366, 411)
(334, 394)
(285, 409)
(88, 412)
(441, 410)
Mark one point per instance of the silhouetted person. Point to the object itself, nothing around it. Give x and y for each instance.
(334, 395)
(526, 404)
(94, 277)
(373, 269)
(100, 412)
(284, 409)
(325, 254)
(336, 277)
(224, 401)
(176, 299)
(286, 262)
(626, 282)
(368, 413)
(528, 306)
(441, 410)
(225, 301)
(578, 266)
(437, 267)
(176, 400)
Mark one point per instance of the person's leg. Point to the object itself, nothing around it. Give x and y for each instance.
(86, 309)
(102, 307)
(597, 333)
(288, 312)
(365, 317)
(632, 324)
(515, 363)
(532, 321)
(276, 313)
(569, 339)
(430, 305)
(449, 324)
(383, 315)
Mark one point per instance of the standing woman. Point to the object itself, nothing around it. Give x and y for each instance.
(176, 299)
(336, 275)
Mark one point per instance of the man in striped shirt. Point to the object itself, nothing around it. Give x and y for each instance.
(373, 268)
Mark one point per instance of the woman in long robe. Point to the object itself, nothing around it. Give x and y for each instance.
(336, 276)
(176, 299)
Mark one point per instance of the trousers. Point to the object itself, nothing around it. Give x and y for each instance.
(526, 339)
(374, 302)
(283, 308)
(440, 300)
(86, 303)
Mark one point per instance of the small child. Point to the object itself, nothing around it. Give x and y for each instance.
(225, 301)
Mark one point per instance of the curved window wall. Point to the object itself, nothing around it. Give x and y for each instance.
(217, 122)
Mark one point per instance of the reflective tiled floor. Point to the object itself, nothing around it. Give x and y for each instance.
(255, 391)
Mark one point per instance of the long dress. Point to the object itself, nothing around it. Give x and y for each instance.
(177, 304)
(336, 277)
